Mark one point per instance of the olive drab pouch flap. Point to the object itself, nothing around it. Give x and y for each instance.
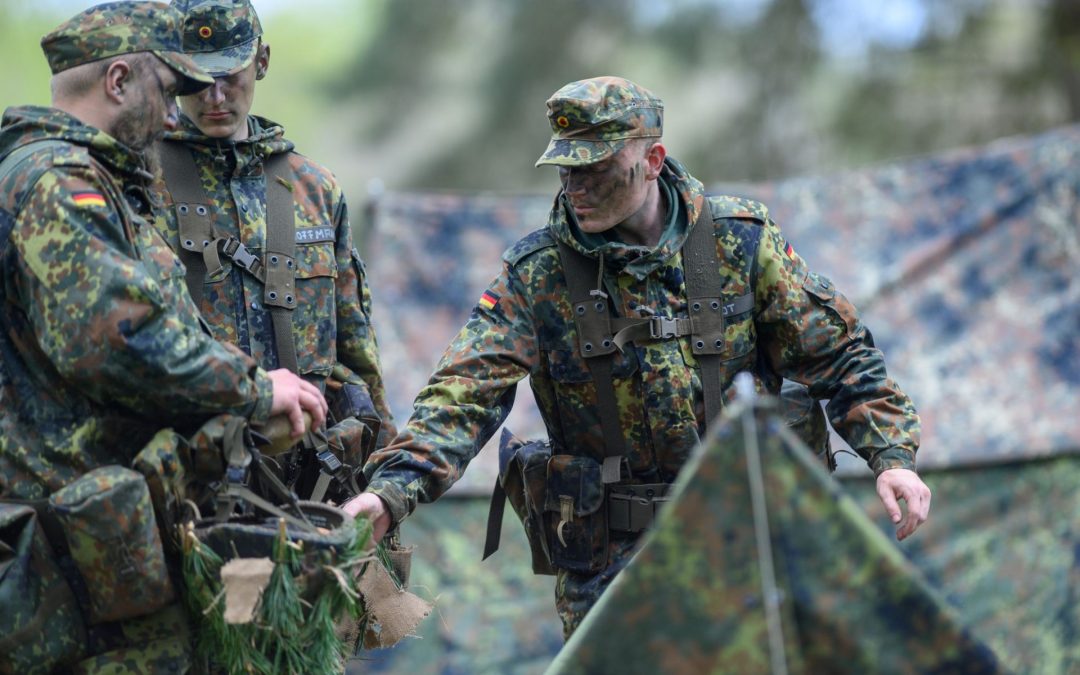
(575, 518)
(523, 482)
(109, 524)
(41, 629)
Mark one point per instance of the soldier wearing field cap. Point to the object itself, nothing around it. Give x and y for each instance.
(265, 237)
(100, 350)
(631, 312)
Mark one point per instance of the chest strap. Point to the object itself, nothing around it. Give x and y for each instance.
(600, 334)
(201, 244)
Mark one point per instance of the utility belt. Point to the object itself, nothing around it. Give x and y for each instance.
(568, 512)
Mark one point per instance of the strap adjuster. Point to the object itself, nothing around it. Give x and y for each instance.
(662, 328)
(241, 256)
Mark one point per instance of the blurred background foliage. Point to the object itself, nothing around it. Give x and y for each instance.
(449, 94)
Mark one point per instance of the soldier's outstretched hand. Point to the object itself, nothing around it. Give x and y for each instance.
(370, 506)
(903, 484)
(293, 396)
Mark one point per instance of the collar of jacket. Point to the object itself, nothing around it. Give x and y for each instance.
(265, 138)
(640, 261)
(24, 124)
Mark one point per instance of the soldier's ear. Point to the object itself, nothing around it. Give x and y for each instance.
(654, 160)
(262, 62)
(118, 77)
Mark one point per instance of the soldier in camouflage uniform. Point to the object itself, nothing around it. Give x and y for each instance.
(628, 208)
(100, 344)
(232, 151)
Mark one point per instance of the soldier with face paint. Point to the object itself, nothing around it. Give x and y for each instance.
(631, 312)
(302, 301)
(101, 349)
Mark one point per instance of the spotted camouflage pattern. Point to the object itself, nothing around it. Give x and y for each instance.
(332, 319)
(102, 345)
(115, 28)
(112, 535)
(964, 264)
(221, 36)
(801, 327)
(592, 119)
(694, 598)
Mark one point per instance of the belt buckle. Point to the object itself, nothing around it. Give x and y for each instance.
(661, 328)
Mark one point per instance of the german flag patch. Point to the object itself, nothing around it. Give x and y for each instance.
(488, 300)
(789, 251)
(88, 199)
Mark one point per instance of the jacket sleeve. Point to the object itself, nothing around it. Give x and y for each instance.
(467, 398)
(812, 334)
(101, 318)
(357, 346)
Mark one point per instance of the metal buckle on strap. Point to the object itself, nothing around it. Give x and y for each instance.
(662, 328)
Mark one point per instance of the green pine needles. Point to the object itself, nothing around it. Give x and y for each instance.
(310, 590)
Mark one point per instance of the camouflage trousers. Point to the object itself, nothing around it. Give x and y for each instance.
(576, 593)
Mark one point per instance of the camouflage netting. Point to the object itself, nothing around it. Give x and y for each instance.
(963, 265)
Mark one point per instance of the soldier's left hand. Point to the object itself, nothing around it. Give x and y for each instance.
(897, 484)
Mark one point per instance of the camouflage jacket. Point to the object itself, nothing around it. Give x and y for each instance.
(100, 343)
(332, 319)
(800, 328)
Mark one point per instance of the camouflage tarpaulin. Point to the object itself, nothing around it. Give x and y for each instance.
(964, 265)
(756, 518)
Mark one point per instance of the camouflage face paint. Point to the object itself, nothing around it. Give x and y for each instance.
(606, 193)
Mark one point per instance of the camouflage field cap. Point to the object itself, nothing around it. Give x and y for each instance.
(221, 35)
(116, 28)
(592, 119)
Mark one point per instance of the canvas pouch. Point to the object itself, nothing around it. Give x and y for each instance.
(41, 628)
(575, 514)
(108, 521)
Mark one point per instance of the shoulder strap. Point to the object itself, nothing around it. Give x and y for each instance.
(279, 293)
(192, 206)
(703, 286)
(708, 308)
(593, 318)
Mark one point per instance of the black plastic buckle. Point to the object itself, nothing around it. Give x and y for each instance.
(328, 462)
(240, 255)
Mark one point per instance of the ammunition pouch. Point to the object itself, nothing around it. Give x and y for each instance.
(349, 398)
(633, 508)
(108, 522)
(803, 415)
(41, 626)
(523, 481)
(575, 514)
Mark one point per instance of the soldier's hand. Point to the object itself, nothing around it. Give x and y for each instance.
(904, 484)
(372, 507)
(292, 396)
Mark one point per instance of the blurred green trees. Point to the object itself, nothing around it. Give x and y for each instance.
(450, 93)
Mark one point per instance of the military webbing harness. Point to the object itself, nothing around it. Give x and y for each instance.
(600, 335)
(201, 245)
